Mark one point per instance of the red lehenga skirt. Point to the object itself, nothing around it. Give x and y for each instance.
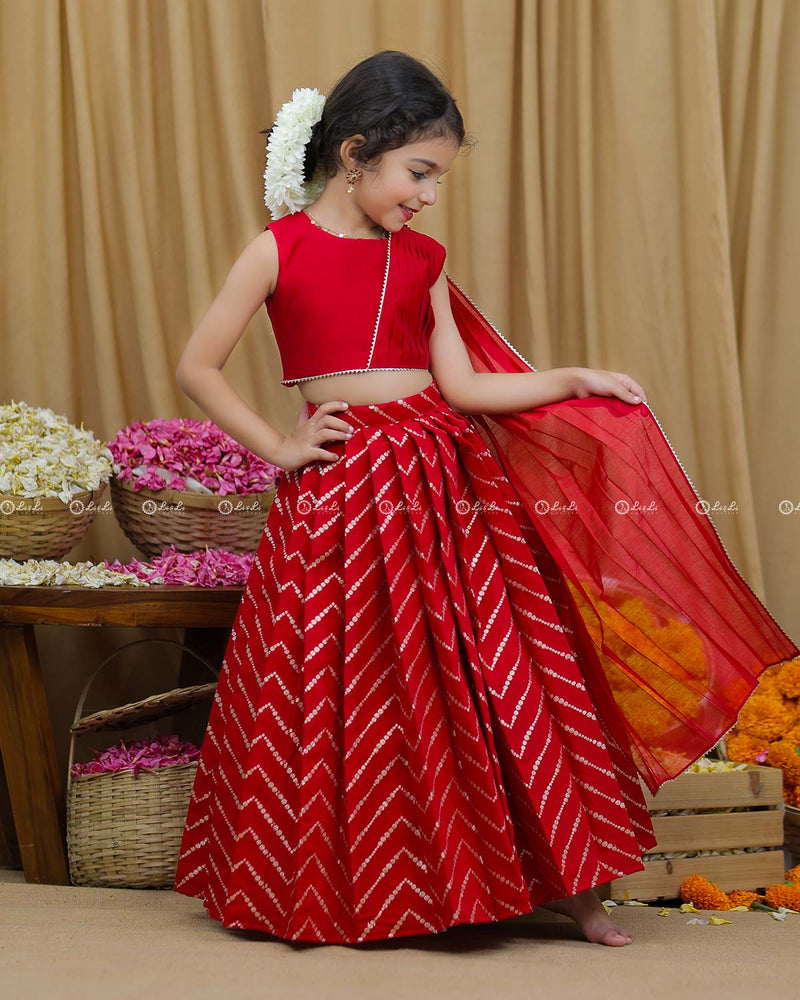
(440, 690)
(402, 736)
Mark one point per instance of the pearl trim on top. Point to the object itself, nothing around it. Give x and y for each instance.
(349, 371)
(383, 294)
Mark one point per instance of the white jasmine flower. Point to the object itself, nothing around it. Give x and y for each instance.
(43, 455)
(284, 189)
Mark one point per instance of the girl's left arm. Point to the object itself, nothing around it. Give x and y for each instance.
(509, 392)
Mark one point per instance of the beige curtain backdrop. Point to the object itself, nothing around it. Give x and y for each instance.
(630, 205)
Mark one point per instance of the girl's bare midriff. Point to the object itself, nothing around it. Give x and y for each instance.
(363, 388)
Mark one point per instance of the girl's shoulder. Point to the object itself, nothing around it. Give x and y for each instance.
(285, 224)
(432, 250)
(428, 242)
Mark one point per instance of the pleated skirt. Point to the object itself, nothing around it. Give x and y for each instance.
(402, 737)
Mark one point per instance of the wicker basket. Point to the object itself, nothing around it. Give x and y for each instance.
(154, 520)
(122, 830)
(45, 527)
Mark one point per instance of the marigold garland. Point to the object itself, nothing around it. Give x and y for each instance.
(744, 748)
(765, 716)
(768, 681)
(783, 754)
(768, 728)
(783, 895)
(704, 894)
(788, 680)
(742, 897)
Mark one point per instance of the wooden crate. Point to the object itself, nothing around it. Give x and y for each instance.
(759, 788)
(791, 832)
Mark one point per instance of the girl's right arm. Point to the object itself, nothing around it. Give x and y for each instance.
(251, 280)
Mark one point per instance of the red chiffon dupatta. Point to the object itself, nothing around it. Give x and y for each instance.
(672, 638)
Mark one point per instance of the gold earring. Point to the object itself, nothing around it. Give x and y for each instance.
(353, 176)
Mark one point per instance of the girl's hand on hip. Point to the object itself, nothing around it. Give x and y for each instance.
(305, 442)
(597, 382)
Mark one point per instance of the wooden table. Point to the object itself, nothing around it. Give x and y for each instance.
(36, 792)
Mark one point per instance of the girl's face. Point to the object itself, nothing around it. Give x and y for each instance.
(405, 181)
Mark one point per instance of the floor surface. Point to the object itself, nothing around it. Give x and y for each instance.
(65, 942)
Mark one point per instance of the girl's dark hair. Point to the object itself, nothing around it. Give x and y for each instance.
(391, 99)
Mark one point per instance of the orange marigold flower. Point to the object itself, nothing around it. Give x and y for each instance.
(777, 699)
(768, 682)
(791, 796)
(704, 894)
(743, 748)
(784, 755)
(783, 895)
(793, 875)
(741, 897)
(764, 717)
(788, 680)
(793, 736)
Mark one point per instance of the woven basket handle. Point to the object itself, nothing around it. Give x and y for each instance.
(116, 652)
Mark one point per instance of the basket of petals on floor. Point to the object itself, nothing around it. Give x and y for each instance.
(126, 807)
(186, 483)
(52, 479)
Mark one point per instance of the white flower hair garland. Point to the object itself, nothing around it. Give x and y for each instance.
(284, 189)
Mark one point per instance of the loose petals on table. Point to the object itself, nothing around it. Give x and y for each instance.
(204, 568)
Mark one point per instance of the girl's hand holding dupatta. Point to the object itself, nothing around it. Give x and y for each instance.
(596, 382)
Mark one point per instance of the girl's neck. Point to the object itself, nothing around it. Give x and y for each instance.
(344, 218)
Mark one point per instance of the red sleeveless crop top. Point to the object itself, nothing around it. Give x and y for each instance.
(351, 305)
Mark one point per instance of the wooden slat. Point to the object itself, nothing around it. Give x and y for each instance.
(731, 871)
(756, 786)
(791, 831)
(152, 607)
(719, 831)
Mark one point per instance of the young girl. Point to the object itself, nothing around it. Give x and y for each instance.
(484, 602)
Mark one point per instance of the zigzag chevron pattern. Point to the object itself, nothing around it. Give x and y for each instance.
(402, 737)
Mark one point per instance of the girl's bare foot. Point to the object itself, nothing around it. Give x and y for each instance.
(590, 915)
